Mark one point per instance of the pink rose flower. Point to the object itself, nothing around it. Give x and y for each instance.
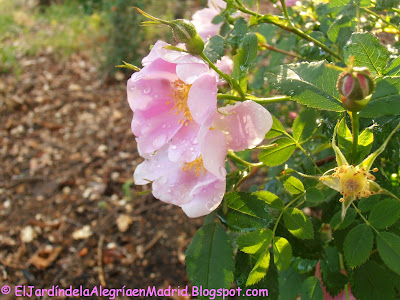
(174, 92)
(225, 64)
(202, 20)
(197, 184)
(290, 3)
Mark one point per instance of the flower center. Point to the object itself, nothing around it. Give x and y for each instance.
(180, 95)
(197, 166)
(354, 181)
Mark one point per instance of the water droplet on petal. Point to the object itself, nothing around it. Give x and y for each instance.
(222, 171)
(164, 126)
(159, 141)
(173, 147)
(147, 90)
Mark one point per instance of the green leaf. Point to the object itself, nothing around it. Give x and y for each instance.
(271, 199)
(311, 289)
(358, 245)
(278, 155)
(366, 204)
(314, 197)
(243, 266)
(255, 241)
(388, 245)
(209, 258)
(282, 253)
(304, 125)
(294, 185)
(312, 84)
(385, 213)
(394, 67)
(249, 48)
(368, 52)
(246, 212)
(385, 100)
(334, 281)
(372, 282)
(290, 282)
(276, 130)
(260, 269)
(341, 29)
(339, 3)
(337, 223)
(215, 48)
(298, 224)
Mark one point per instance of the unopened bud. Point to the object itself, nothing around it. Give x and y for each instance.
(185, 32)
(356, 86)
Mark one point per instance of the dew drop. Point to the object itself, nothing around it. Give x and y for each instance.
(173, 147)
(147, 90)
(164, 126)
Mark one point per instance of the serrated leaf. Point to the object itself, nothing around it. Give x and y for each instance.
(311, 289)
(394, 67)
(215, 48)
(304, 125)
(290, 282)
(371, 282)
(337, 223)
(358, 245)
(276, 130)
(385, 100)
(385, 213)
(366, 204)
(298, 224)
(314, 197)
(282, 253)
(271, 199)
(388, 245)
(367, 52)
(254, 241)
(260, 269)
(209, 258)
(246, 212)
(312, 84)
(249, 46)
(278, 155)
(294, 185)
(341, 29)
(332, 277)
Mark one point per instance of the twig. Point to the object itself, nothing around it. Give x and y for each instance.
(100, 261)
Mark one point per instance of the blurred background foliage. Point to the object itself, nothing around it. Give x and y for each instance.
(109, 28)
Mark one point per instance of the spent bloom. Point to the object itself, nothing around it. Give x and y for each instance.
(351, 181)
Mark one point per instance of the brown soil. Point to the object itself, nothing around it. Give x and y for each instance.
(66, 151)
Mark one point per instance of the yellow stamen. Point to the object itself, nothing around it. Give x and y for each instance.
(197, 166)
(179, 95)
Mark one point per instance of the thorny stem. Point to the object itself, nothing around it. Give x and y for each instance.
(254, 98)
(288, 27)
(355, 123)
(226, 77)
(272, 48)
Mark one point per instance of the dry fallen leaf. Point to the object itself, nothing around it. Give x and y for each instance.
(43, 258)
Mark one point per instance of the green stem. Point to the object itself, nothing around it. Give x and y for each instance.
(380, 18)
(272, 48)
(254, 98)
(362, 217)
(355, 123)
(227, 78)
(285, 12)
(241, 161)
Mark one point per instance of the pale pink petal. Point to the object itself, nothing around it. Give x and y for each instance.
(178, 57)
(202, 20)
(155, 126)
(213, 151)
(184, 146)
(246, 124)
(190, 72)
(206, 196)
(203, 97)
(225, 64)
(155, 166)
(147, 86)
(217, 4)
(153, 55)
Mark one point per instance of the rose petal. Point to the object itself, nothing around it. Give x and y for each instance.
(202, 20)
(246, 124)
(190, 72)
(203, 97)
(184, 146)
(153, 55)
(213, 151)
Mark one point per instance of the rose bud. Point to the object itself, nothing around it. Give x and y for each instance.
(356, 86)
(185, 32)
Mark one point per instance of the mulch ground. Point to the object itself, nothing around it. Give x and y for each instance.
(66, 150)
